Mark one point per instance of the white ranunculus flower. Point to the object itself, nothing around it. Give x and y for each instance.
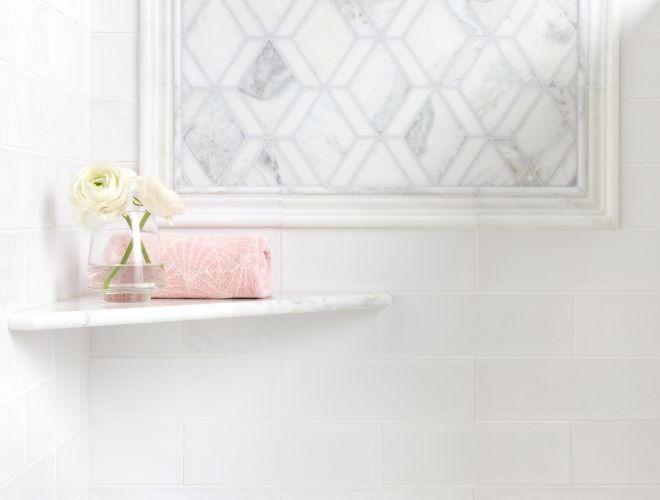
(101, 191)
(157, 198)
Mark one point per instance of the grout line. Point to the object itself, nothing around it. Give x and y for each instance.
(476, 260)
(379, 454)
(26, 390)
(280, 409)
(45, 79)
(396, 486)
(476, 390)
(382, 357)
(467, 421)
(513, 292)
(572, 455)
(88, 29)
(183, 452)
(52, 450)
(575, 332)
(281, 262)
(34, 152)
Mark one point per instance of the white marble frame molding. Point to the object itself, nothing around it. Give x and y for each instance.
(593, 203)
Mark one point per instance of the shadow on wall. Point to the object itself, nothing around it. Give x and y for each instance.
(640, 16)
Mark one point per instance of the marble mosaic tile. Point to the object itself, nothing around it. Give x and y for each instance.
(378, 96)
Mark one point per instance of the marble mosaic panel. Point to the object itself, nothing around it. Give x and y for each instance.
(378, 96)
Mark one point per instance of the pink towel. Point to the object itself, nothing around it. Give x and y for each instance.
(215, 267)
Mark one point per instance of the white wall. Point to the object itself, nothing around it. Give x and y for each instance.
(44, 136)
(514, 365)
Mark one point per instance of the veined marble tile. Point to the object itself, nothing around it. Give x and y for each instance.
(435, 37)
(269, 87)
(380, 87)
(490, 86)
(546, 37)
(269, 12)
(435, 136)
(213, 39)
(379, 96)
(214, 138)
(325, 137)
(324, 38)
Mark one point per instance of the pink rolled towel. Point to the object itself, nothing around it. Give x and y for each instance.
(215, 267)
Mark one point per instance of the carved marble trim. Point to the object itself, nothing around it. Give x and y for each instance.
(593, 204)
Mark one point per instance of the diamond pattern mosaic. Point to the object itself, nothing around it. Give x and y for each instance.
(378, 96)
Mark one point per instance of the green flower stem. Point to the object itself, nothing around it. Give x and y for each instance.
(129, 249)
(144, 220)
(116, 269)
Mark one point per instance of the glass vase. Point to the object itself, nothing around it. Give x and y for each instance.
(125, 259)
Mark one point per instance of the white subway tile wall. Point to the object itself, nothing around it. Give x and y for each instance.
(45, 103)
(511, 366)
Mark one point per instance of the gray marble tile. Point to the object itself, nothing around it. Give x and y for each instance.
(379, 96)
(214, 138)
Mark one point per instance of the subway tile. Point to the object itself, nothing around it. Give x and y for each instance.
(618, 325)
(617, 453)
(61, 127)
(639, 79)
(17, 33)
(12, 271)
(37, 482)
(124, 388)
(57, 264)
(377, 260)
(475, 453)
(154, 339)
(16, 89)
(15, 173)
(573, 493)
(45, 178)
(116, 16)
(640, 208)
(376, 493)
(184, 493)
(565, 389)
(65, 53)
(184, 388)
(328, 334)
(114, 129)
(641, 16)
(49, 178)
(478, 325)
(75, 9)
(639, 120)
(70, 346)
(280, 453)
(114, 65)
(55, 409)
(136, 453)
(230, 388)
(378, 389)
(13, 436)
(25, 359)
(45, 41)
(57, 128)
(72, 466)
(569, 260)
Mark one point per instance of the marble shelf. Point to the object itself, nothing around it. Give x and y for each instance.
(90, 310)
